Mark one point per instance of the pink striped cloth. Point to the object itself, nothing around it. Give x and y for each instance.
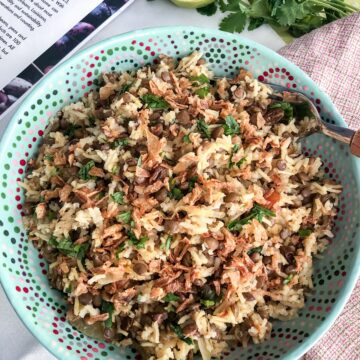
(331, 57)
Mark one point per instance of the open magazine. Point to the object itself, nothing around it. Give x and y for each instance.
(35, 35)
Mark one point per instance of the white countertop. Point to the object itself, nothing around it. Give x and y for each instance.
(16, 342)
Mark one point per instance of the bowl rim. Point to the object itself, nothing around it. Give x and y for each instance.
(353, 275)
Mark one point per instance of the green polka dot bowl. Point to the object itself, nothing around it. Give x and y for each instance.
(23, 272)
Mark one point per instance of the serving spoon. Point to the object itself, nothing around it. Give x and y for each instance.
(303, 103)
(296, 98)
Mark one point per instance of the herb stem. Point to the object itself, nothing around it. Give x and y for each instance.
(328, 6)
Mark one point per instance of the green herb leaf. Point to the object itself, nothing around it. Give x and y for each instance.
(234, 22)
(125, 217)
(118, 197)
(232, 5)
(176, 193)
(84, 170)
(207, 303)
(192, 182)
(235, 149)
(257, 212)
(186, 139)
(155, 102)
(208, 10)
(288, 279)
(255, 250)
(119, 143)
(203, 128)
(254, 23)
(171, 297)
(125, 88)
(66, 247)
(231, 126)
(201, 79)
(138, 243)
(303, 233)
(179, 333)
(48, 157)
(202, 92)
(305, 25)
(107, 307)
(167, 244)
(286, 107)
(119, 250)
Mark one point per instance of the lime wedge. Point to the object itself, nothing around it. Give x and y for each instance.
(192, 3)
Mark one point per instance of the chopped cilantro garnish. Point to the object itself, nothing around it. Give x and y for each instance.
(120, 143)
(125, 88)
(171, 297)
(186, 139)
(138, 243)
(203, 128)
(118, 197)
(257, 212)
(119, 250)
(235, 149)
(84, 170)
(125, 217)
(49, 157)
(303, 233)
(167, 243)
(288, 279)
(179, 333)
(66, 247)
(211, 299)
(199, 80)
(231, 127)
(207, 303)
(175, 192)
(202, 92)
(192, 182)
(286, 107)
(255, 250)
(155, 102)
(107, 307)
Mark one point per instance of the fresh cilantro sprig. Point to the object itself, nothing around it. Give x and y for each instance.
(257, 212)
(298, 17)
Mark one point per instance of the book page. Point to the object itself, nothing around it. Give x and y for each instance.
(29, 27)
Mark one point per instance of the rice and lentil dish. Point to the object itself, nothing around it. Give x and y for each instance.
(178, 213)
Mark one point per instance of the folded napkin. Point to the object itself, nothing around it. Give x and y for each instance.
(331, 57)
